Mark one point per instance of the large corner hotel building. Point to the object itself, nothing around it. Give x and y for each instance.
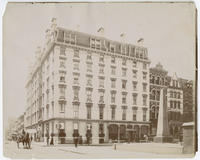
(82, 82)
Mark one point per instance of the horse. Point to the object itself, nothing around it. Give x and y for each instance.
(20, 139)
(27, 141)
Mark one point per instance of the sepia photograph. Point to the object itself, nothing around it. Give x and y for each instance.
(99, 80)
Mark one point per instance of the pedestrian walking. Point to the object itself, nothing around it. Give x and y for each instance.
(88, 136)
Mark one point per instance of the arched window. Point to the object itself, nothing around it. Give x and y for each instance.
(153, 94)
(153, 113)
(158, 95)
(163, 81)
(156, 112)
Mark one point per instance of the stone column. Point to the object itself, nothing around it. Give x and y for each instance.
(95, 133)
(82, 130)
(45, 131)
(106, 132)
(69, 129)
(56, 132)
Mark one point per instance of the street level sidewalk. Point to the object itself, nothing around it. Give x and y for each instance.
(44, 144)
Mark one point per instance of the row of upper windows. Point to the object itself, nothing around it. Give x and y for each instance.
(158, 80)
(101, 59)
(101, 96)
(137, 52)
(113, 70)
(101, 112)
(175, 104)
(175, 94)
(102, 82)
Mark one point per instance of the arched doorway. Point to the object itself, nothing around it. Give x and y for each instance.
(113, 131)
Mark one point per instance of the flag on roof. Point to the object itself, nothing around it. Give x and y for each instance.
(122, 35)
(140, 40)
(100, 30)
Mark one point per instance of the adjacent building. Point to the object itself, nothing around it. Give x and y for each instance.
(82, 83)
(158, 80)
(188, 100)
(175, 106)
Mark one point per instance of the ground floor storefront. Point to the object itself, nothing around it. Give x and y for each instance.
(65, 131)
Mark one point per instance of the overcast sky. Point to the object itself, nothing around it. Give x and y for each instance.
(168, 30)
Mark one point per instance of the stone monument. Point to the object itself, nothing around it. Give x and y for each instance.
(163, 135)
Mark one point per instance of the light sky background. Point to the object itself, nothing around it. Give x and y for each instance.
(168, 30)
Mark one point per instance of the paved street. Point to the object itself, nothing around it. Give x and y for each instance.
(39, 150)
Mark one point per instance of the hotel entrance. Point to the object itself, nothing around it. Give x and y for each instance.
(113, 131)
(131, 133)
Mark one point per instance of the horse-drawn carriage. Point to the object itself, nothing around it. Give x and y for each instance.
(25, 139)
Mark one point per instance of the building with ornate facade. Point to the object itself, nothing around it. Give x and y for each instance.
(159, 79)
(188, 100)
(83, 83)
(175, 106)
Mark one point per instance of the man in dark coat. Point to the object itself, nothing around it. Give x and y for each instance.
(76, 136)
(88, 136)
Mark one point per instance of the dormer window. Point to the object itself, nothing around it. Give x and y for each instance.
(98, 44)
(123, 49)
(67, 37)
(95, 43)
(92, 43)
(73, 38)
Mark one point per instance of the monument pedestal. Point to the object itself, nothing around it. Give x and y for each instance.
(163, 139)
